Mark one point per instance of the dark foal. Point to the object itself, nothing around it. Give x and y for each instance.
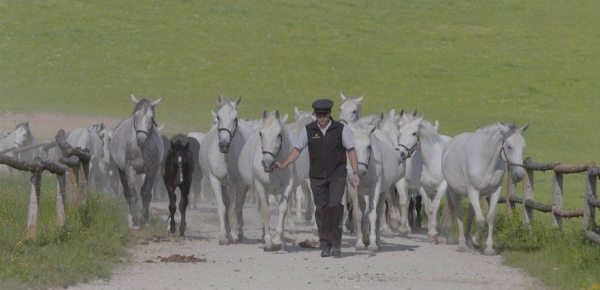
(178, 168)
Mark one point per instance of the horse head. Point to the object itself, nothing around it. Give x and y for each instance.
(178, 159)
(143, 119)
(363, 145)
(513, 145)
(408, 135)
(271, 135)
(299, 115)
(21, 134)
(350, 109)
(389, 124)
(227, 122)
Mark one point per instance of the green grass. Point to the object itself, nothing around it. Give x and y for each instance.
(89, 247)
(465, 63)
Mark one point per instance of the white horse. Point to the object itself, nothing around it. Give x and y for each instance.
(199, 182)
(303, 118)
(20, 138)
(424, 169)
(271, 143)
(379, 170)
(90, 138)
(350, 112)
(137, 148)
(109, 179)
(473, 163)
(219, 154)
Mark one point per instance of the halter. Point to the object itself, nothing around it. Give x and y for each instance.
(142, 131)
(227, 130)
(278, 150)
(412, 149)
(506, 156)
(343, 121)
(366, 165)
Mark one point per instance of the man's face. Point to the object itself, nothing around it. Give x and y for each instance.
(323, 118)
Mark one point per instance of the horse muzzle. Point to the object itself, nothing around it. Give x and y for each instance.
(268, 166)
(517, 174)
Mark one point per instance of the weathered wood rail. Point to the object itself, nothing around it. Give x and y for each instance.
(74, 158)
(590, 199)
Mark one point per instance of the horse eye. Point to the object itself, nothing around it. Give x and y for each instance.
(414, 133)
(260, 134)
(218, 118)
(354, 112)
(509, 147)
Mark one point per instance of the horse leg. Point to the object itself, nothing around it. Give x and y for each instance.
(404, 205)
(299, 198)
(456, 205)
(147, 195)
(172, 207)
(431, 230)
(435, 206)
(128, 180)
(265, 214)
(373, 217)
(474, 200)
(279, 239)
(382, 216)
(217, 189)
(380, 208)
(310, 203)
(239, 198)
(489, 249)
(418, 217)
(357, 216)
(290, 199)
(348, 212)
(185, 191)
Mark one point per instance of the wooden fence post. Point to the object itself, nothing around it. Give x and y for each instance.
(34, 201)
(82, 181)
(589, 211)
(511, 189)
(557, 199)
(528, 195)
(60, 201)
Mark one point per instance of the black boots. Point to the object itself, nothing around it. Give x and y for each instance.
(325, 252)
(336, 252)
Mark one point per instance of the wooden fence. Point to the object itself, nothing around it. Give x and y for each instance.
(74, 191)
(590, 198)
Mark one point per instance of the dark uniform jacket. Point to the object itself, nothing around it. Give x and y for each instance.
(327, 153)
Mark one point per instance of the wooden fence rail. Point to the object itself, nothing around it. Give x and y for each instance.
(74, 158)
(590, 200)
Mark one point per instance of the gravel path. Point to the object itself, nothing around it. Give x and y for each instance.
(403, 263)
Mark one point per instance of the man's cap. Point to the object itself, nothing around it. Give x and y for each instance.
(322, 105)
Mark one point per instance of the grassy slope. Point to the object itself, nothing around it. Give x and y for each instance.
(465, 63)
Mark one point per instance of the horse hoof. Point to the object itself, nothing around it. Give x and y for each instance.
(373, 249)
(489, 252)
(276, 247)
(223, 242)
(403, 234)
(361, 248)
(135, 228)
(432, 239)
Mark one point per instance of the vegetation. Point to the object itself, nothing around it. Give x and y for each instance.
(465, 63)
(93, 241)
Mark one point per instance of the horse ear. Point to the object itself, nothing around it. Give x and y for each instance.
(285, 118)
(415, 113)
(264, 113)
(381, 115)
(186, 146)
(503, 128)
(360, 99)
(437, 125)
(277, 115)
(420, 119)
(219, 99)
(156, 102)
(392, 113)
(524, 128)
(239, 100)
(134, 99)
(160, 127)
(296, 112)
(342, 96)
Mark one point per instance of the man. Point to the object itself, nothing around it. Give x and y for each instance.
(328, 143)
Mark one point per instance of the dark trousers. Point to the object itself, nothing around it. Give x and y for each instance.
(329, 210)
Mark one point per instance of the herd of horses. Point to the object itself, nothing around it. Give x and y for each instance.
(398, 154)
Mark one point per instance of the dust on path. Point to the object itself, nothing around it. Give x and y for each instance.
(403, 263)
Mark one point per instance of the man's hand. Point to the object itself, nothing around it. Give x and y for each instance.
(356, 179)
(278, 165)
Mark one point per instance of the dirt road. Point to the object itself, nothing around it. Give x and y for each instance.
(403, 263)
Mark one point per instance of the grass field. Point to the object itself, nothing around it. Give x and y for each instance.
(464, 63)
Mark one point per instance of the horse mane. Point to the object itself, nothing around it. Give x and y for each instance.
(427, 131)
(143, 103)
(493, 128)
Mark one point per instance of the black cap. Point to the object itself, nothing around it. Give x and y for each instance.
(322, 105)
